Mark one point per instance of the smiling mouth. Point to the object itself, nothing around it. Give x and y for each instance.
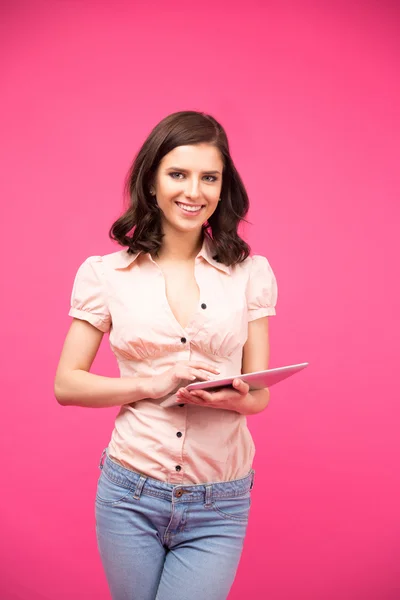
(190, 208)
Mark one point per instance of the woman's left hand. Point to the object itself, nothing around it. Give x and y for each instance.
(226, 398)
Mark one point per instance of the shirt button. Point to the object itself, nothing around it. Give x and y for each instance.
(178, 468)
(204, 305)
(179, 434)
(183, 340)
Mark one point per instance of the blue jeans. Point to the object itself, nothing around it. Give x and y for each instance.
(160, 541)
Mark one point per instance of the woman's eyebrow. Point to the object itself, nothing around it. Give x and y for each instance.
(215, 172)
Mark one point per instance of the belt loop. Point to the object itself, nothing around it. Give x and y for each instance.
(101, 459)
(252, 479)
(139, 487)
(208, 502)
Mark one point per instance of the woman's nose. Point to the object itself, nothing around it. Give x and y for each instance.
(192, 189)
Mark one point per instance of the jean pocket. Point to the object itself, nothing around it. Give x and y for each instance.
(236, 509)
(110, 493)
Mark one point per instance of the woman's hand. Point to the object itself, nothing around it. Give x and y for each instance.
(187, 370)
(226, 398)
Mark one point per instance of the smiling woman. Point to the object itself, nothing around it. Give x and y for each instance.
(187, 187)
(184, 164)
(182, 301)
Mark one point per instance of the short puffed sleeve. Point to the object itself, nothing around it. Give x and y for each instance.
(88, 300)
(262, 289)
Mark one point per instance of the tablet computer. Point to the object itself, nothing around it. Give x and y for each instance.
(257, 380)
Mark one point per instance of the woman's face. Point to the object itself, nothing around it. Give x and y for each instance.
(188, 185)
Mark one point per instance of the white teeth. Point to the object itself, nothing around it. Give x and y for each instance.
(189, 208)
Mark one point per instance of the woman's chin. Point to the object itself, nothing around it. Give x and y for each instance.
(183, 226)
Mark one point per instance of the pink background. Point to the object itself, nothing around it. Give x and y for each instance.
(309, 94)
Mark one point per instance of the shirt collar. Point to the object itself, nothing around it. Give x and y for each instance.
(207, 251)
(122, 259)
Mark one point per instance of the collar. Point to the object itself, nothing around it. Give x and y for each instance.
(123, 259)
(207, 252)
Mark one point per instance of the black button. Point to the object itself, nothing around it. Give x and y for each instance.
(181, 405)
(178, 468)
(204, 305)
(183, 340)
(179, 434)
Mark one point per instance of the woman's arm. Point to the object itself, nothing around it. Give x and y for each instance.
(75, 386)
(256, 358)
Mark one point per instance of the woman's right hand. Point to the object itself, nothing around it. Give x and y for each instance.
(187, 370)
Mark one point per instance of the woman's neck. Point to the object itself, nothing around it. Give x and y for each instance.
(180, 246)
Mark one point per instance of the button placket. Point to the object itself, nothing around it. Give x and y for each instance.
(178, 427)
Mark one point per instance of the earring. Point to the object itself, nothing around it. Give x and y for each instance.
(219, 199)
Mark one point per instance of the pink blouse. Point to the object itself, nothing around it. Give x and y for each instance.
(124, 294)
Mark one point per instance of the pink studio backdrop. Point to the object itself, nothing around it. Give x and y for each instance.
(309, 95)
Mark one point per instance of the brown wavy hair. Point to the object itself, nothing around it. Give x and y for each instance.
(140, 228)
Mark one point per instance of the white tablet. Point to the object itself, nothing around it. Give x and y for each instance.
(257, 380)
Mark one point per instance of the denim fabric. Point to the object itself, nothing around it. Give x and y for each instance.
(160, 541)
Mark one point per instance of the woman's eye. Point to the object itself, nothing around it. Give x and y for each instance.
(178, 175)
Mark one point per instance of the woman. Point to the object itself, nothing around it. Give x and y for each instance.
(183, 302)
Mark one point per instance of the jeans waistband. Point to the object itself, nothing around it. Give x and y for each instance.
(141, 484)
